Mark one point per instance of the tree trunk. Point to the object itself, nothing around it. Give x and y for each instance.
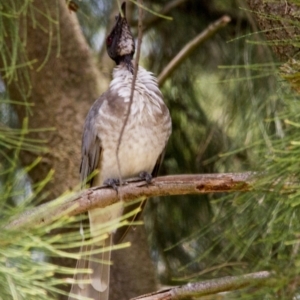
(132, 268)
(62, 91)
(279, 20)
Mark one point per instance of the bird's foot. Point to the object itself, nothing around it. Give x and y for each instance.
(146, 176)
(113, 183)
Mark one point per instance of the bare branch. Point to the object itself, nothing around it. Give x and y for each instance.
(161, 186)
(191, 46)
(209, 287)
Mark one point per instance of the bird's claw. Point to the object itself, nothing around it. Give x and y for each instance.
(146, 176)
(113, 183)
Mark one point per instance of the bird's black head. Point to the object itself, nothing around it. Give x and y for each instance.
(120, 42)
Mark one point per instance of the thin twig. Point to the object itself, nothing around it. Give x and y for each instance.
(100, 197)
(210, 287)
(136, 66)
(190, 47)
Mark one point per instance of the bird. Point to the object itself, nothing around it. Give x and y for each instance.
(140, 150)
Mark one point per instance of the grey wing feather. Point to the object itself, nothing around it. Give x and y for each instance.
(158, 164)
(91, 144)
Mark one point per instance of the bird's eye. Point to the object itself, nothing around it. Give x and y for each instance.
(108, 40)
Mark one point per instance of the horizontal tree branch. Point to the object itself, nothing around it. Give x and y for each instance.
(209, 287)
(77, 203)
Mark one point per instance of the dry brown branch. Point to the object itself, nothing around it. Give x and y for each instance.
(191, 46)
(209, 287)
(161, 186)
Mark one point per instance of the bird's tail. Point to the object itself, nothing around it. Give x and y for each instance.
(96, 255)
(94, 285)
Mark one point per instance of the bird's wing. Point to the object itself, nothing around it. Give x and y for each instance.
(158, 164)
(91, 144)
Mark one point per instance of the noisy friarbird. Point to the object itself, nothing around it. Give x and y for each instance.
(140, 153)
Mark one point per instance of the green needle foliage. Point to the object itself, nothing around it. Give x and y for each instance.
(25, 270)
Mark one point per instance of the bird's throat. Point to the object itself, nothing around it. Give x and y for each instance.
(127, 61)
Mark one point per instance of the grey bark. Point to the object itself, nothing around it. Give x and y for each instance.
(279, 20)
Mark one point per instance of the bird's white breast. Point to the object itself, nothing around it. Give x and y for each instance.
(147, 129)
